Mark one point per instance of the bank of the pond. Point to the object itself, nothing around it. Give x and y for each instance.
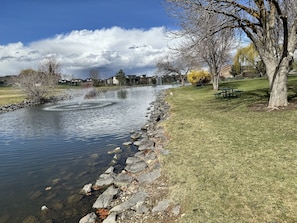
(139, 192)
(27, 103)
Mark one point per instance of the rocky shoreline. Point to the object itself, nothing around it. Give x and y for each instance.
(139, 192)
(15, 106)
(26, 104)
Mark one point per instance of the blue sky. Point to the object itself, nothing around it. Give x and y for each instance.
(93, 31)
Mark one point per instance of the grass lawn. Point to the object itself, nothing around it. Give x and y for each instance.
(9, 95)
(229, 163)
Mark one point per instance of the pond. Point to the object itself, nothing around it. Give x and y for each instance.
(48, 152)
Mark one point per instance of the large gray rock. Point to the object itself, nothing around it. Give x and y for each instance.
(140, 208)
(136, 136)
(149, 177)
(137, 198)
(136, 167)
(176, 210)
(122, 179)
(109, 170)
(107, 178)
(86, 189)
(89, 218)
(104, 200)
(161, 206)
(131, 160)
(147, 157)
(146, 144)
(137, 143)
(111, 218)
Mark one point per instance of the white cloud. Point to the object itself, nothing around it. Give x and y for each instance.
(135, 51)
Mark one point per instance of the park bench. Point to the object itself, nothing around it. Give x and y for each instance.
(228, 93)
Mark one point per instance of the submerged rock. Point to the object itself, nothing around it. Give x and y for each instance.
(35, 195)
(127, 143)
(74, 198)
(29, 219)
(116, 150)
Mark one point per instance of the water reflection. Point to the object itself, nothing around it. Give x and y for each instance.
(122, 94)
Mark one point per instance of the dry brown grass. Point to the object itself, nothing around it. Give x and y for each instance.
(229, 163)
(9, 95)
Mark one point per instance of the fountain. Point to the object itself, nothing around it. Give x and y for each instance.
(79, 100)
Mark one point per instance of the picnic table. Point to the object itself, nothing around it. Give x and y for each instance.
(228, 93)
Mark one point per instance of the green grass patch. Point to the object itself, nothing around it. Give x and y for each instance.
(229, 163)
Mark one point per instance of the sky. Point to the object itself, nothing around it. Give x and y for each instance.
(105, 35)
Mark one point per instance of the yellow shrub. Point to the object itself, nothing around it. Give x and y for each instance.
(199, 77)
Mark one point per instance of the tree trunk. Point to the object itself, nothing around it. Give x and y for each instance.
(215, 82)
(279, 92)
(214, 77)
(278, 77)
(182, 79)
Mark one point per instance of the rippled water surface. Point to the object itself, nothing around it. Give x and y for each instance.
(63, 146)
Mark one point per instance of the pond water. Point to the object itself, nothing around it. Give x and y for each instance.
(48, 152)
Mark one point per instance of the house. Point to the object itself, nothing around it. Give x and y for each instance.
(131, 79)
(76, 82)
(248, 71)
(62, 81)
(115, 81)
(7, 81)
(226, 71)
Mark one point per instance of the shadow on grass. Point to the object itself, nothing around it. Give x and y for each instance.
(246, 99)
(255, 92)
(230, 85)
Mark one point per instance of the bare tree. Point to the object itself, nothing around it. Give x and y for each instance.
(121, 77)
(270, 24)
(212, 51)
(38, 85)
(210, 48)
(180, 63)
(167, 67)
(51, 68)
(214, 48)
(94, 74)
(215, 52)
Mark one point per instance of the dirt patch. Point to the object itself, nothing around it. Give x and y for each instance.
(263, 107)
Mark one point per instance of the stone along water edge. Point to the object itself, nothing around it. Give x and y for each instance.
(139, 191)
